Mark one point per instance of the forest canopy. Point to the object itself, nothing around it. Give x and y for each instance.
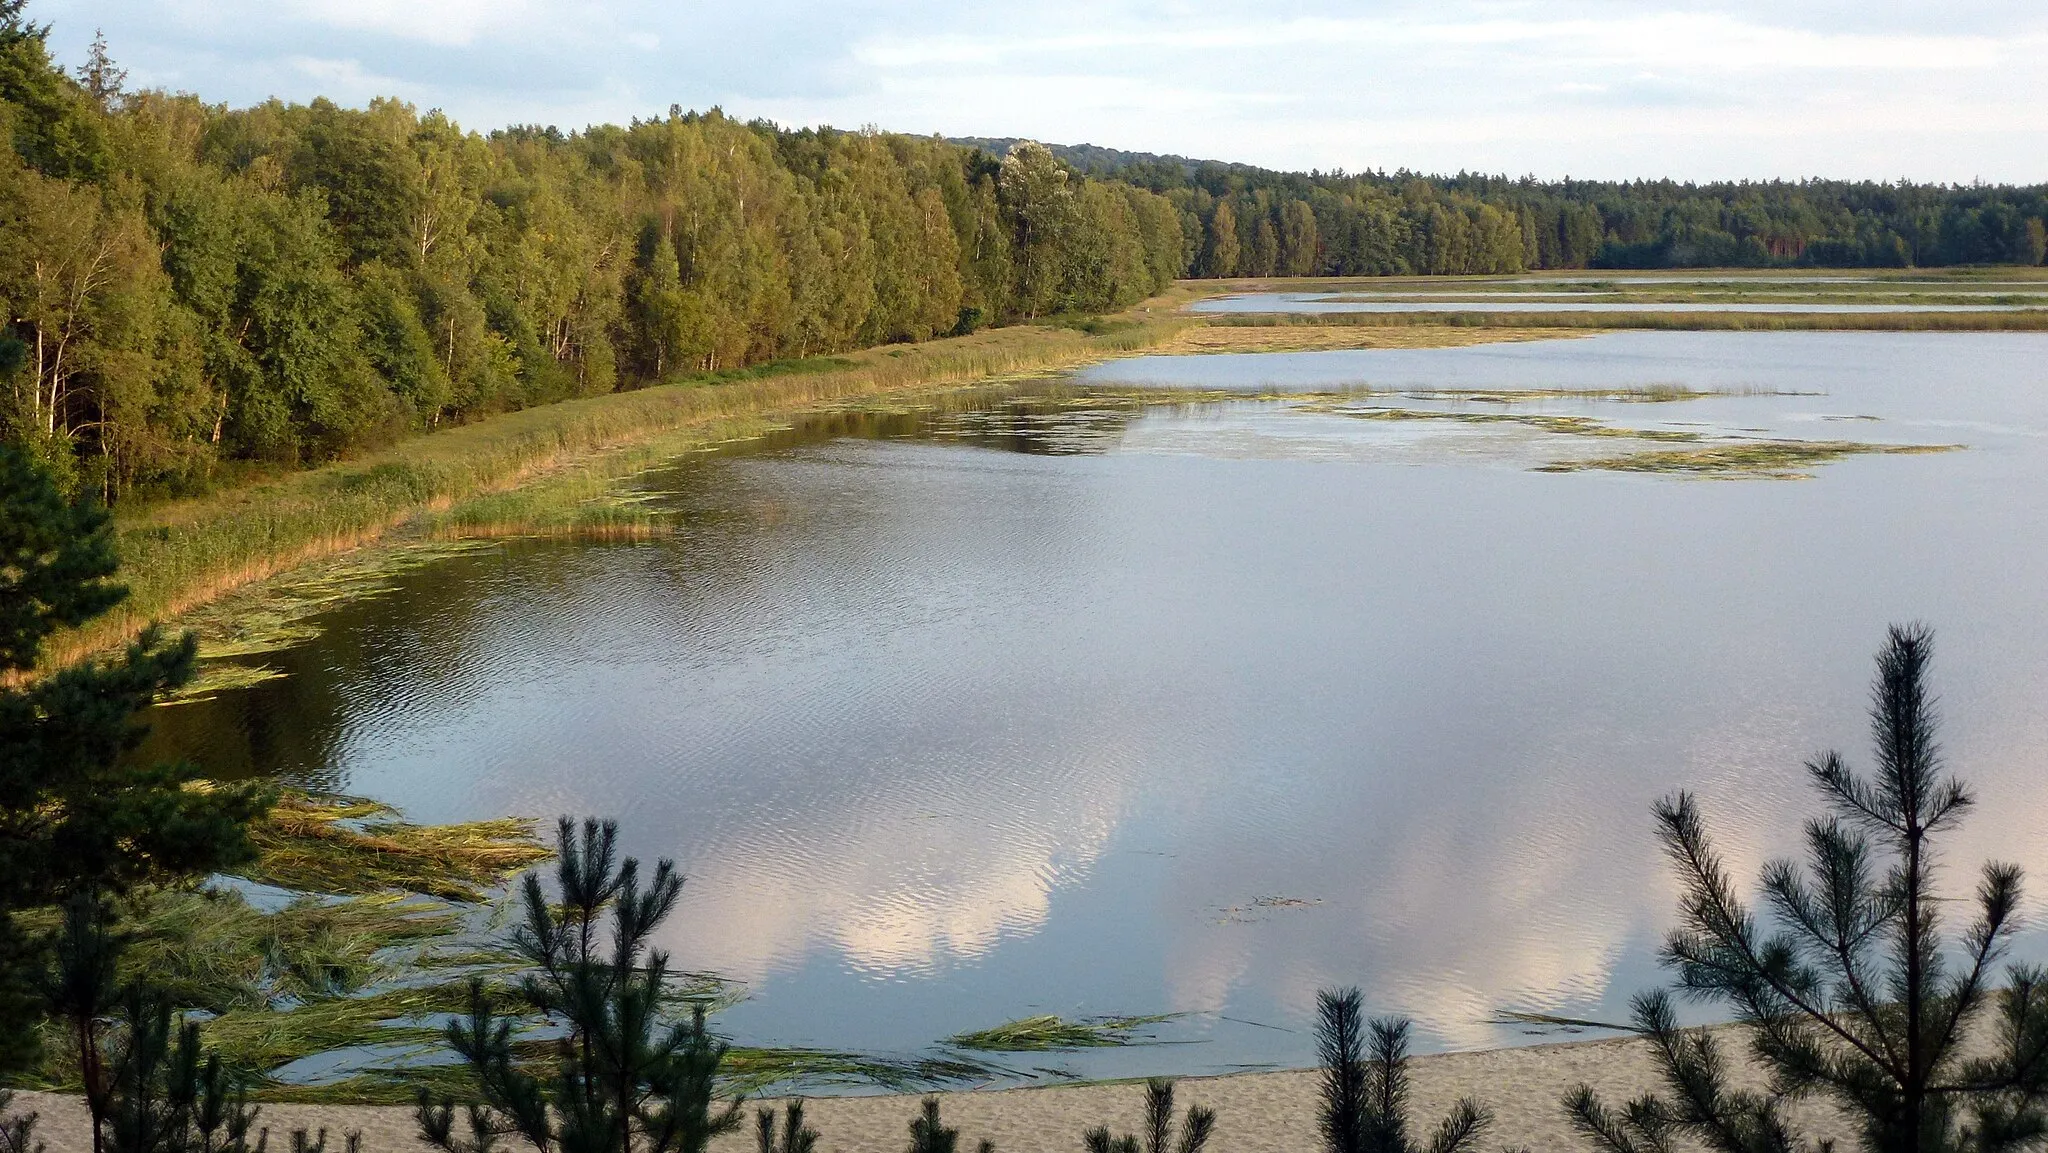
(1246, 221)
(186, 284)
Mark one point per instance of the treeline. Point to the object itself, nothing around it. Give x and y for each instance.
(186, 284)
(1245, 221)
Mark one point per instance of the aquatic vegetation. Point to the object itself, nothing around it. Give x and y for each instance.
(1570, 425)
(277, 614)
(1774, 459)
(212, 949)
(1050, 1032)
(1539, 1023)
(348, 845)
(267, 1038)
(753, 1069)
(216, 677)
(1259, 908)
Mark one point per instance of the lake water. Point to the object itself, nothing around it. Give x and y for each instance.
(1031, 703)
(1315, 302)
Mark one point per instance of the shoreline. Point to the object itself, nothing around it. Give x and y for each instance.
(183, 554)
(491, 478)
(1261, 1112)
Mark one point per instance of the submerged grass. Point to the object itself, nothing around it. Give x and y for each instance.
(753, 1069)
(1050, 1033)
(1566, 425)
(353, 846)
(1774, 459)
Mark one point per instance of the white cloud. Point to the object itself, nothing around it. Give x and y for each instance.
(447, 23)
(1588, 87)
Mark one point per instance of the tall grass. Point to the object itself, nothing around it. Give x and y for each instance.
(181, 554)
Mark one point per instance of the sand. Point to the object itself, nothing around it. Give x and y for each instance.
(1256, 1112)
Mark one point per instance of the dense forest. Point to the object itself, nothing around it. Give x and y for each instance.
(187, 284)
(1247, 221)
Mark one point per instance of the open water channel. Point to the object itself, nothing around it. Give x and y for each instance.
(1053, 699)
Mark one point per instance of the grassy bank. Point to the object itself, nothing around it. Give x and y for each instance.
(181, 554)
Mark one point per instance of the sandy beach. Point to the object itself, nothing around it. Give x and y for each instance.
(1256, 1112)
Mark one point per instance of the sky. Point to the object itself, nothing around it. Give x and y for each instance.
(1952, 91)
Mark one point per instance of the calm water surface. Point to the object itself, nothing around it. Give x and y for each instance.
(955, 717)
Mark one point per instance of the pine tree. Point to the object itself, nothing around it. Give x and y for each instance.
(1852, 995)
(1195, 1131)
(797, 1137)
(627, 1077)
(17, 1130)
(75, 822)
(1365, 1085)
(929, 1134)
(149, 1085)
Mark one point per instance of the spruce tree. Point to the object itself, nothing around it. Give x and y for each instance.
(74, 819)
(1365, 1085)
(627, 1077)
(1851, 994)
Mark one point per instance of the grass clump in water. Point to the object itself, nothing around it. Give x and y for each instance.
(1772, 459)
(348, 845)
(1050, 1033)
(1565, 425)
(216, 677)
(755, 1070)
